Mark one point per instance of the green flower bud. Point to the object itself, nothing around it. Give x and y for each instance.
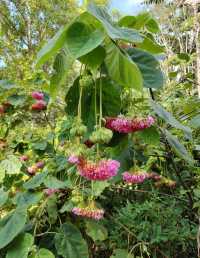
(78, 130)
(102, 135)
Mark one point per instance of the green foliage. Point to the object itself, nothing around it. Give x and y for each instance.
(12, 226)
(69, 242)
(11, 165)
(52, 46)
(122, 69)
(96, 76)
(21, 246)
(149, 67)
(96, 231)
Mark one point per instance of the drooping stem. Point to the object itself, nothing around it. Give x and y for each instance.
(80, 102)
(100, 103)
(80, 96)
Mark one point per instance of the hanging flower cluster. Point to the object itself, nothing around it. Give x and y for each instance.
(136, 178)
(101, 171)
(40, 103)
(87, 212)
(126, 125)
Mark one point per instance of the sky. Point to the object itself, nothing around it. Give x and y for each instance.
(128, 6)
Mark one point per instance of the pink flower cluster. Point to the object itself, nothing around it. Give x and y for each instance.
(136, 178)
(24, 158)
(33, 169)
(40, 103)
(96, 214)
(73, 159)
(126, 125)
(50, 191)
(37, 95)
(101, 171)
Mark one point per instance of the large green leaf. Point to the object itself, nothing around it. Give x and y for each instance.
(99, 187)
(149, 67)
(81, 39)
(3, 197)
(151, 46)
(94, 59)
(21, 246)
(51, 47)
(178, 147)
(150, 136)
(27, 198)
(17, 100)
(44, 253)
(121, 253)
(114, 31)
(152, 26)
(13, 226)
(110, 96)
(122, 69)
(195, 122)
(11, 165)
(54, 183)
(170, 119)
(6, 85)
(70, 243)
(62, 64)
(96, 231)
(35, 181)
(52, 209)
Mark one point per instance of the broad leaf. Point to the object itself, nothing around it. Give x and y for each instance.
(111, 97)
(150, 136)
(99, 187)
(151, 46)
(70, 243)
(150, 68)
(121, 253)
(44, 253)
(96, 231)
(170, 119)
(21, 246)
(114, 31)
(62, 64)
(27, 199)
(35, 181)
(122, 69)
(52, 209)
(3, 197)
(94, 59)
(152, 26)
(17, 100)
(11, 165)
(54, 183)
(178, 147)
(51, 47)
(195, 122)
(6, 85)
(80, 39)
(13, 226)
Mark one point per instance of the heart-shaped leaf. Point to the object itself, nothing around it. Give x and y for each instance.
(21, 246)
(149, 67)
(69, 242)
(81, 39)
(12, 226)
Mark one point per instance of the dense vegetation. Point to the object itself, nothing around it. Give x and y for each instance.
(99, 131)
